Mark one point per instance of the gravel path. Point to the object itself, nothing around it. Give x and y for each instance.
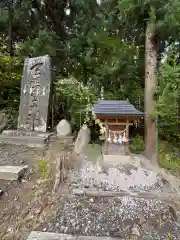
(18, 155)
(120, 217)
(101, 216)
(118, 178)
(116, 216)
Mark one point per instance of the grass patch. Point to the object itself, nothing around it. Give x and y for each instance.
(169, 157)
(168, 154)
(43, 168)
(93, 152)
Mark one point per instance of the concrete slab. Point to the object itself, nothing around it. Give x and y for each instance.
(22, 137)
(12, 172)
(58, 236)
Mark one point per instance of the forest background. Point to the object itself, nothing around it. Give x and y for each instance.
(97, 45)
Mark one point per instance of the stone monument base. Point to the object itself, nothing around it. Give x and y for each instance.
(21, 137)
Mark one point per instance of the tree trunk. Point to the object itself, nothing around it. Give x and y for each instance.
(150, 88)
(10, 28)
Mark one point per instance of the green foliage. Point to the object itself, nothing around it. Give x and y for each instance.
(99, 45)
(170, 237)
(165, 14)
(93, 152)
(10, 78)
(137, 145)
(167, 108)
(43, 44)
(75, 98)
(43, 168)
(169, 157)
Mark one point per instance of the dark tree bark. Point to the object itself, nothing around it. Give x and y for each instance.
(10, 28)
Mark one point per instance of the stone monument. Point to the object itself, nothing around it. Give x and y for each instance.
(34, 104)
(35, 89)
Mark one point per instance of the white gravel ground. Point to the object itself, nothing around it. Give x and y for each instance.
(116, 216)
(116, 178)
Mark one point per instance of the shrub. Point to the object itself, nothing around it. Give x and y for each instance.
(137, 145)
(168, 157)
(43, 168)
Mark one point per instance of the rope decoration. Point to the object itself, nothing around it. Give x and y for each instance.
(117, 137)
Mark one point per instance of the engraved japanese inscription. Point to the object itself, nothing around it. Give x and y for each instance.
(35, 89)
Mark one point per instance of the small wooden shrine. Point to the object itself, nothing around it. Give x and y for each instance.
(116, 117)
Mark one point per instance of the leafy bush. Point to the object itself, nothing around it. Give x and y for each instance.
(75, 101)
(137, 145)
(167, 105)
(169, 157)
(10, 78)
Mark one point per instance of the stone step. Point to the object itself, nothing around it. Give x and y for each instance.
(31, 141)
(58, 236)
(12, 172)
(19, 132)
(136, 194)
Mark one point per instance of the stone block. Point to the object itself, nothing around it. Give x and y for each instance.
(50, 236)
(78, 192)
(12, 172)
(58, 236)
(31, 141)
(63, 128)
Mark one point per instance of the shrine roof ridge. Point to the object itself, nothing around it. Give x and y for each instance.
(116, 108)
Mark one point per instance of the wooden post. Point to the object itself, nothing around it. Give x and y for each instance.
(106, 137)
(127, 136)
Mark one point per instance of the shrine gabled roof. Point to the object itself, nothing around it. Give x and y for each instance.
(116, 108)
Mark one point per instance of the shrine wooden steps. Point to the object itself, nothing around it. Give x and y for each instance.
(58, 236)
